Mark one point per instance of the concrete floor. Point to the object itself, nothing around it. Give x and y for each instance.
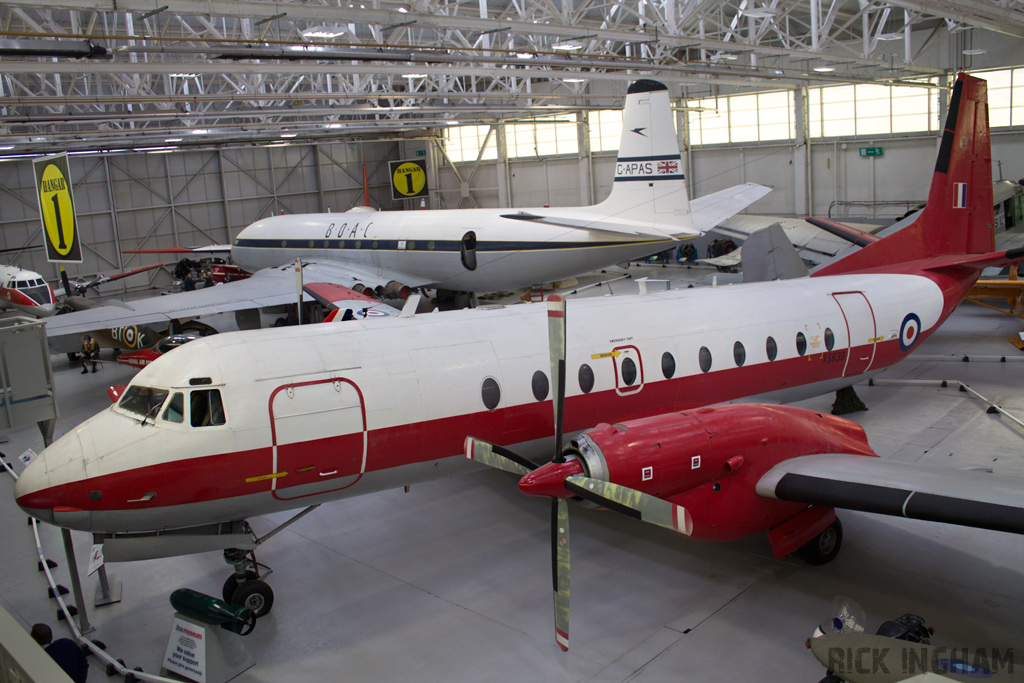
(451, 581)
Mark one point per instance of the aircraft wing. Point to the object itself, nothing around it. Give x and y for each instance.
(209, 249)
(965, 497)
(595, 224)
(341, 299)
(267, 287)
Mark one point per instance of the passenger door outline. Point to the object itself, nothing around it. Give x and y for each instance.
(317, 465)
(858, 317)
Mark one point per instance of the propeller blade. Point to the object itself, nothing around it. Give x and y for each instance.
(560, 569)
(497, 457)
(64, 281)
(633, 503)
(556, 352)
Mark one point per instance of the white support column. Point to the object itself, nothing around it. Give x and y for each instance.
(504, 196)
(585, 171)
(802, 202)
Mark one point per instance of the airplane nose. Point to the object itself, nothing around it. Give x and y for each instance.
(31, 487)
(49, 484)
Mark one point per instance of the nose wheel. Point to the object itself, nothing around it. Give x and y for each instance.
(246, 586)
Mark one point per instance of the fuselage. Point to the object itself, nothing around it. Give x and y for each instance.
(326, 411)
(473, 250)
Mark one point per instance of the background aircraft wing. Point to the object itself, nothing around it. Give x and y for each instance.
(267, 287)
(965, 497)
(209, 249)
(594, 224)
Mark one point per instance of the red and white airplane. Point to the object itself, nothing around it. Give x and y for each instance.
(463, 250)
(248, 423)
(26, 291)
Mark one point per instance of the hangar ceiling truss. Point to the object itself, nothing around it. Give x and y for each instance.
(85, 74)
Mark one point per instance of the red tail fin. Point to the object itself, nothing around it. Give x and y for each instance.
(958, 217)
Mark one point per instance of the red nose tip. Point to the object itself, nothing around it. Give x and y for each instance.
(549, 480)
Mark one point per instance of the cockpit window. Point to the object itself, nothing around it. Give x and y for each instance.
(175, 410)
(41, 295)
(206, 408)
(142, 401)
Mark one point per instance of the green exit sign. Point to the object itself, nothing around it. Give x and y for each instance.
(871, 151)
(423, 152)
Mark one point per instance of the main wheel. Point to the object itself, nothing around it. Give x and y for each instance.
(256, 596)
(825, 547)
(231, 585)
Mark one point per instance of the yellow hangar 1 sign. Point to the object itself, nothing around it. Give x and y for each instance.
(57, 209)
(408, 179)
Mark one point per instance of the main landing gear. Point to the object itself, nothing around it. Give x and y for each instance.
(246, 587)
(823, 548)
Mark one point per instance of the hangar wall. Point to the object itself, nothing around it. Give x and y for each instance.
(157, 201)
(842, 183)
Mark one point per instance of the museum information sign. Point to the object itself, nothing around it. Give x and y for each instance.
(186, 650)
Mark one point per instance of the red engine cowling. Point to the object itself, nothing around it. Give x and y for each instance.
(709, 460)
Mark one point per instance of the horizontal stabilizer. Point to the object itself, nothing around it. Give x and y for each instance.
(711, 209)
(936, 494)
(846, 232)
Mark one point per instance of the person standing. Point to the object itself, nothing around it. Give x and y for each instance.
(66, 652)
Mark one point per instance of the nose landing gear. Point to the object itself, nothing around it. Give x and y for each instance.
(246, 587)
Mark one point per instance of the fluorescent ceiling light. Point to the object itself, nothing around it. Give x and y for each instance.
(200, 131)
(414, 75)
(975, 51)
(824, 69)
(333, 125)
(524, 55)
(173, 140)
(566, 47)
(288, 135)
(4, 148)
(890, 36)
(323, 32)
(154, 150)
(573, 80)
(729, 56)
(761, 12)
(183, 75)
(402, 10)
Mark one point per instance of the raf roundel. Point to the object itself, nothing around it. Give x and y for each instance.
(909, 331)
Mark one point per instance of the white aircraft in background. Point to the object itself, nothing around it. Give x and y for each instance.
(241, 424)
(463, 250)
(26, 291)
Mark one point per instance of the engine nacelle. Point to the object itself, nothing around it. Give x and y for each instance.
(710, 460)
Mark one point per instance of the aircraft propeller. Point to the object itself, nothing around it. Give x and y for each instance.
(564, 478)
